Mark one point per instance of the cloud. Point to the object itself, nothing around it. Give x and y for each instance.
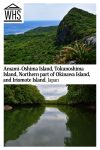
(53, 11)
(52, 92)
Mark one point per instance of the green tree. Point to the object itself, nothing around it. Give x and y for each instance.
(22, 94)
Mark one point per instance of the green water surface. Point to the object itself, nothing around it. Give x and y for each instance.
(49, 126)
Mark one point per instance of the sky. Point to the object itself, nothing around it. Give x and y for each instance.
(52, 11)
(52, 91)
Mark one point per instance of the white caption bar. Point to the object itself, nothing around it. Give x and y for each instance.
(48, 74)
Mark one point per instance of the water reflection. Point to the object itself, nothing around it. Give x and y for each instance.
(16, 121)
(49, 131)
(50, 127)
(82, 124)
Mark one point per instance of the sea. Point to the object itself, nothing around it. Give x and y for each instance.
(20, 28)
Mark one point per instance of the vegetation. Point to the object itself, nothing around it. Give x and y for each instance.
(29, 94)
(51, 102)
(36, 46)
(78, 120)
(79, 94)
(22, 94)
(44, 45)
(78, 52)
(76, 25)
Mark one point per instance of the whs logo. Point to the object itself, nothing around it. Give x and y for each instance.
(12, 13)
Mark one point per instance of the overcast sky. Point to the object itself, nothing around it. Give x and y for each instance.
(52, 11)
(52, 91)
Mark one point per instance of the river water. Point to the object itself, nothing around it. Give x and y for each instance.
(49, 126)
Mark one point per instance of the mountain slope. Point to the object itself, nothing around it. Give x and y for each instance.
(36, 46)
(44, 45)
(76, 25)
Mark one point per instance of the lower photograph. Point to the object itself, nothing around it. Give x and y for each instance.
(50, 115)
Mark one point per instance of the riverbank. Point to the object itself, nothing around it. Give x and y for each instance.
(89, 107)
(29, 95)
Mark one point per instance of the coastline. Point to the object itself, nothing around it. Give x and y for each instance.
(22, 28)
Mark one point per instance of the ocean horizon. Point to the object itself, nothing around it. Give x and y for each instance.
(20, 28)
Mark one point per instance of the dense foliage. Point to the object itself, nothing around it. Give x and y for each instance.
(51, 102)
(36, 46)
(77, 24)
(78, 52)
(44, 45)
(22, 94)
(79, 94)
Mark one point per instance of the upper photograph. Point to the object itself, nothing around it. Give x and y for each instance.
(52, 33)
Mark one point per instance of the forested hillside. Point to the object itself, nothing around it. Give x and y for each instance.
(76, 25)
(36, 46)
(73, 40)
(79, 94)
(22, 94)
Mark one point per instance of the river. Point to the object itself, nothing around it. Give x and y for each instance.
(49, 126)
